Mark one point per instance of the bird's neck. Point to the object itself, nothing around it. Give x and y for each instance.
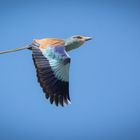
(69, 45)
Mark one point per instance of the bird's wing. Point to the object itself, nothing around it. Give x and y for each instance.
(52, 67)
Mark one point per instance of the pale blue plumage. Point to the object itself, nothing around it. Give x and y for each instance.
(72, 43)
(56, 57)
(52, 64)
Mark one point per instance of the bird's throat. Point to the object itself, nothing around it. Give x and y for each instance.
(71, 46)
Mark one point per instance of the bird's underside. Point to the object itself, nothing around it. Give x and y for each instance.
(52, 68)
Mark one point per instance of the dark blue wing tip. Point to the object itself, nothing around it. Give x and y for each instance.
(66, 61)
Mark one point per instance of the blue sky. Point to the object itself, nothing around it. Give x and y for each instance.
(104, 73)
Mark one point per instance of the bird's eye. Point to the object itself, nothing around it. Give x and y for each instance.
(78, 37)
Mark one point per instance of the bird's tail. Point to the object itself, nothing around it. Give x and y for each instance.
(17, 49)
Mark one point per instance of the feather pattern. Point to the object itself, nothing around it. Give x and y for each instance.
(52, 67)
(56, 58)
(44, 43)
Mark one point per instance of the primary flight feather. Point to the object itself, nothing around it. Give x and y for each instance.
(52, 64)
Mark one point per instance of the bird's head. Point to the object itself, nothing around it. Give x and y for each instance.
(75, 42)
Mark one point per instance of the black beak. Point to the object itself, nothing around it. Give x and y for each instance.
(87, 38)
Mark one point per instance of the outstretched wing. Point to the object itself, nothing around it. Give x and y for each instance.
(52, 67)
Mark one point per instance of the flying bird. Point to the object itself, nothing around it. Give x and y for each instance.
(52, 64)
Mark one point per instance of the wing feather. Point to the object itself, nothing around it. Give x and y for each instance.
(52, 68)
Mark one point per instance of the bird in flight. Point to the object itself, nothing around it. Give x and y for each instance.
(52, 64)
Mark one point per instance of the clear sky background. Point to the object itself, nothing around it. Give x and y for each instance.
(104, 73)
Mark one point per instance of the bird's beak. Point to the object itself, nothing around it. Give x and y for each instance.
(87, 38)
